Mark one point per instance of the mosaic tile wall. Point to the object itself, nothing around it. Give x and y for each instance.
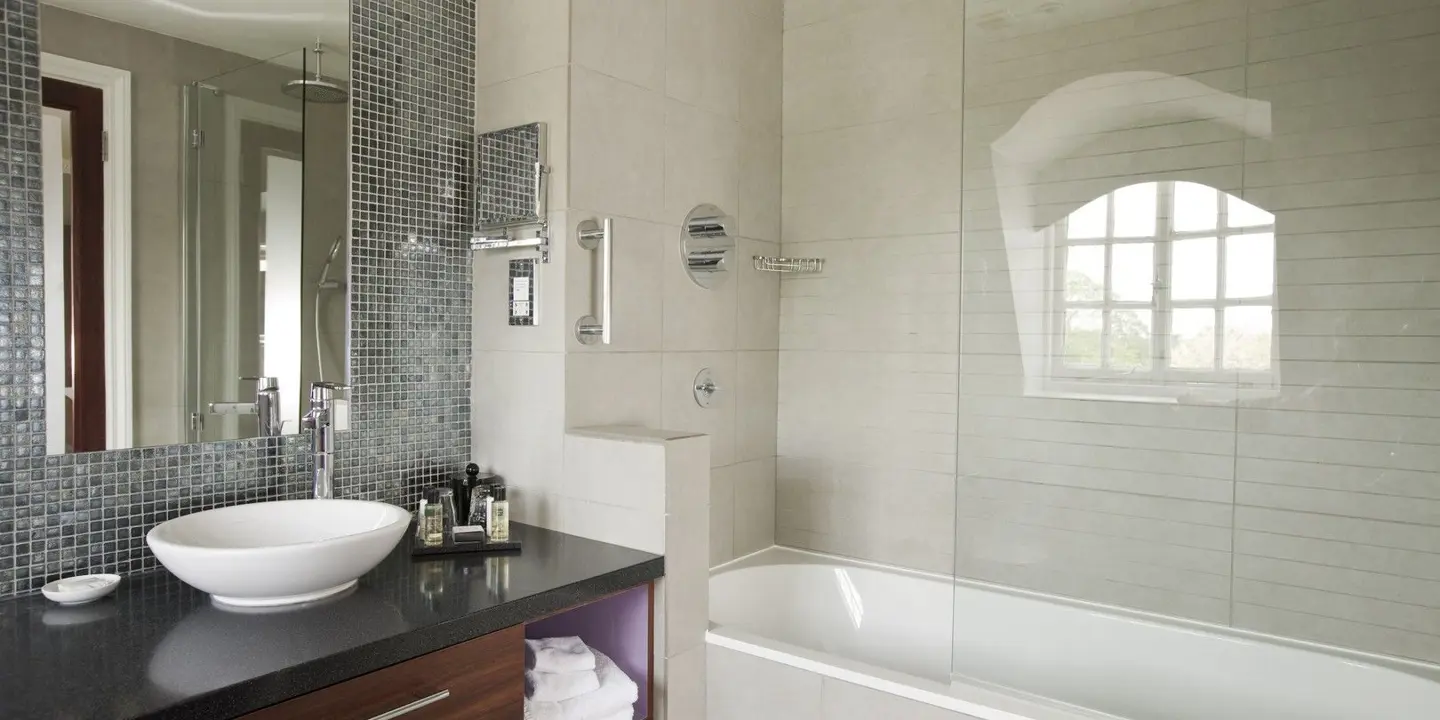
(412, 118)
(411, 111)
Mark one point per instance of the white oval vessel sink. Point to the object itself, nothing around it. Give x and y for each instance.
(278, 553)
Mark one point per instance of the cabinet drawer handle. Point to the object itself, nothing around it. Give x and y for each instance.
(412, 707)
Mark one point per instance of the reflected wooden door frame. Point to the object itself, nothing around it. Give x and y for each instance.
(86, 291)
(119, 377)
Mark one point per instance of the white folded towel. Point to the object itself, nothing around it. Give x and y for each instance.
(558, 655)
(626, 713)
(617, 694)
(554, 687)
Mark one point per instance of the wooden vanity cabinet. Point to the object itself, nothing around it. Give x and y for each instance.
(481, 679)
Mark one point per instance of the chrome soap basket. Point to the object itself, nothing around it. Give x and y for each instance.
(797, 266)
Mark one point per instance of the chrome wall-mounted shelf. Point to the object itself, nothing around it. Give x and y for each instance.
(503, 241)
(795, 266)
(512, 185)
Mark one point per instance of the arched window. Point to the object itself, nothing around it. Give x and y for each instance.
(1165, 283)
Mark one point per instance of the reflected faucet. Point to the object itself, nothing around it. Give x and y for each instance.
(320, 421)
(266, 407)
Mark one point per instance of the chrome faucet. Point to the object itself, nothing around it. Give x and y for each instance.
(320, 421)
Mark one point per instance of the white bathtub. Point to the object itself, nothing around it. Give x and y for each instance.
(1024, 656)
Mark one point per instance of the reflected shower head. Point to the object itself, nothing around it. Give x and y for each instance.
(325, 283)
(316, 89)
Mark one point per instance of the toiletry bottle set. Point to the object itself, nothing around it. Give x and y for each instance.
(498, 521)
(430, 524)
(474, 505)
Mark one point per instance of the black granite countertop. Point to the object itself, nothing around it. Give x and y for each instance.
(158, 648)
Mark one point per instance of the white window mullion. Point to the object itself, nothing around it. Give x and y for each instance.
(1222, 233)
(1105, 294)
(1165, 235)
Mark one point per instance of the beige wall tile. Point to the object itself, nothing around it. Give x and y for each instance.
(758, 301)
(1364, 636)
(519, 430)
(773, 11)
(631, 528)
(761, 67)
(892, 61)
(805, 12)
(627, 474)
(683, 413)
(687, 477)
(758, 204)
(624, 39)
(702, 160)
(857, 166)
(518, 37)
(613, 389)
(746, 687)
(757, 389)
(686, 583)
(617, 165)
(682, 685)
(722, 514)
(931, 211)
(702, 54)
(754, 506)
(696, 318)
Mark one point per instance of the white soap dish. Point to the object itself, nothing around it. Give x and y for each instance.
(81, 589)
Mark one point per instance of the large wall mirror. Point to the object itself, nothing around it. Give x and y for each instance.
(195, 160)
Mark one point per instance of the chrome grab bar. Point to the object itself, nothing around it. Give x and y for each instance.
(599, 235)
(412, 707)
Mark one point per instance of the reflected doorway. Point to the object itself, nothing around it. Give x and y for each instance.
(73, 145)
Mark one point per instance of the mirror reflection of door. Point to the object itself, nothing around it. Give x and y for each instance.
(73, 147)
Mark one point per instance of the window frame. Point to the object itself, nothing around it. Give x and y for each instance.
(1161, 380)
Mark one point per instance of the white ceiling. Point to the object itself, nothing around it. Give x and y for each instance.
(261, 29)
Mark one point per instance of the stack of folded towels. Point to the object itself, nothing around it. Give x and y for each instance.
(566, 680)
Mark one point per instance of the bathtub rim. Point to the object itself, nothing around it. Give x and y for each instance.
(936, 693)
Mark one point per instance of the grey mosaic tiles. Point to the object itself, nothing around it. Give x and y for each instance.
(411, 112)
(412, 120)
(22, 272)
(507, 161)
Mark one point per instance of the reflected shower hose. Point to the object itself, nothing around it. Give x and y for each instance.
(325, 283)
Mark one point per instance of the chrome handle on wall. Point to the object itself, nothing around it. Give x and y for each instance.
(594, 235)
(412, 707)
